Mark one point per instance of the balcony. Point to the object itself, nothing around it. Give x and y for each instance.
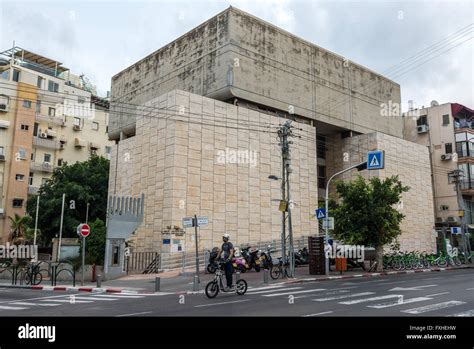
(41, 167)
(50, 119)
(80, 143)
(46, 143)
(33, 190)
(467, 186)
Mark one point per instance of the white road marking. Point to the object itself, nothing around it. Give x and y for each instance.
(370, 299)
(436, 294)
(414, 288)
(398, 302)
(214, 304)
(273, 290)
(94, 298)
(6, 307)
(65, 301)
(343, 296)
(117, 296)
(132, 314)
(264, 288)
(324, 312)
(433, 307)
(289, 293)
(34, 304)
(394, 282)
(325, 293)
(464, 313)
(469, 289)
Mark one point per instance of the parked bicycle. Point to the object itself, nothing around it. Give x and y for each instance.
(33, 274)
(280, 269)
(217, 285)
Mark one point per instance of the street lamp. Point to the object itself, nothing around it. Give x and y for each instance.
(360, 167)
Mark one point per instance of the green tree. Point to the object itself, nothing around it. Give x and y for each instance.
(19, 226)
(95, 243)
(82, 182)
(367, 214)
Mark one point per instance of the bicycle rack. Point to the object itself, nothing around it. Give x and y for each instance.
(55, 272)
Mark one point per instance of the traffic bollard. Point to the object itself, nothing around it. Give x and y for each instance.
(195, 283)
(265, 276)
(237, 276)
(157, 284)
(99, 280)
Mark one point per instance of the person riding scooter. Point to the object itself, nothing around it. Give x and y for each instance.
(227, 250)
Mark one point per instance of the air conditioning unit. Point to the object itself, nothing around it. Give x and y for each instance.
(76, 127)
(43, 135)
(61, 145)
(2, 157)
(46, 164)
(446, 157)
(422, 129)
(4, 107)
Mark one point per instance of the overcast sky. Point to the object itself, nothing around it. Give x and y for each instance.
(101, 38)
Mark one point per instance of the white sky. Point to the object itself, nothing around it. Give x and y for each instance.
(101, 38)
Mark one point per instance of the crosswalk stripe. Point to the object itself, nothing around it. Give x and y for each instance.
(324, 293)
(94, 298)
(34, 304)
(370, 299)
(117, 296)
(464, 313)
(343, 296)
(297, 292)
(273, 290)
(395, 303)
(6, 307)
(69, 300)
(323, 313)
(263, 288)
(433, 307)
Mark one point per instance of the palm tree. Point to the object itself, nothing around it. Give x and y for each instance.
(19, 225)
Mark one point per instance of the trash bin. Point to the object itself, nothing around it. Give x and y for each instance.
(341, 264)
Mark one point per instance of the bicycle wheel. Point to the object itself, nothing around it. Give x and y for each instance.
(456, 261)
(397, 265)
(27, 278)
(36, 279)
(275, 272)
(241, 287)
(442, 262)
(212, 289)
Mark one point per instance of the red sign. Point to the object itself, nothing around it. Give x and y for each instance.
(85, 230)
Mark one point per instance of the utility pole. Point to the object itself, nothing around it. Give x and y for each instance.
(36, 224)
(285, 132)
(455, 177)
(61, 229)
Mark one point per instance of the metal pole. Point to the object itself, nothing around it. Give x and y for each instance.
(36, 224)
(61, 229)
(291, 251)
(326, 205)
(196, 243)
(87, 213)
(157, 284)
(83, 260)
(283, 218)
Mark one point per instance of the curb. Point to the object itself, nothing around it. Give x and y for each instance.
(384, 273)
(72, 289)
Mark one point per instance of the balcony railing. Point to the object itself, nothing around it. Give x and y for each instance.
(41, 167)
(467, 184)
(50, 119)
(32, 190)
(46, 143)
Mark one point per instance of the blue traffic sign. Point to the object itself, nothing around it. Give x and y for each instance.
(320, 213)
(375, 160)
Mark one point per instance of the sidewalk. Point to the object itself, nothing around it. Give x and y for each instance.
(174, 282)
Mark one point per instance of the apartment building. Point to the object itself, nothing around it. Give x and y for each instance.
(447, 130)
(47, 117)
(226, 85)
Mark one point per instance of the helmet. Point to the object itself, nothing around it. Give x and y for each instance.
(226, 236)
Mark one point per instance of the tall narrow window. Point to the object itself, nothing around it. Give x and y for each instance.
(445, 119)
(51, 111)
(16, 75)
(448, 147)
(321, 177)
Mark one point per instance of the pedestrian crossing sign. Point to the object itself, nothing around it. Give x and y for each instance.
(375, 160)
(320, 213)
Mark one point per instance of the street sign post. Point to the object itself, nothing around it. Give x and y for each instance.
(320, 213)
(375, 160)
(328, 223)
(202, 221)
(188, 222)
(83, 230)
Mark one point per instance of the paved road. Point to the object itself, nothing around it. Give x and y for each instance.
(422, 294)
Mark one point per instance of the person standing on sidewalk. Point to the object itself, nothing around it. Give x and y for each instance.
(228, 250)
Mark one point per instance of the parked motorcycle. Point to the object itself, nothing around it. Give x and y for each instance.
(213, 265)
(251, 258)
(302, 257)
(266, 261)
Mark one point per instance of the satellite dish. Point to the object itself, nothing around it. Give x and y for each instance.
(434, 103)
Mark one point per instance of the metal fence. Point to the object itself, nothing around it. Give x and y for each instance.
(154, 262)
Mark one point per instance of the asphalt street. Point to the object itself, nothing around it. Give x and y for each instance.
(421, 294)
